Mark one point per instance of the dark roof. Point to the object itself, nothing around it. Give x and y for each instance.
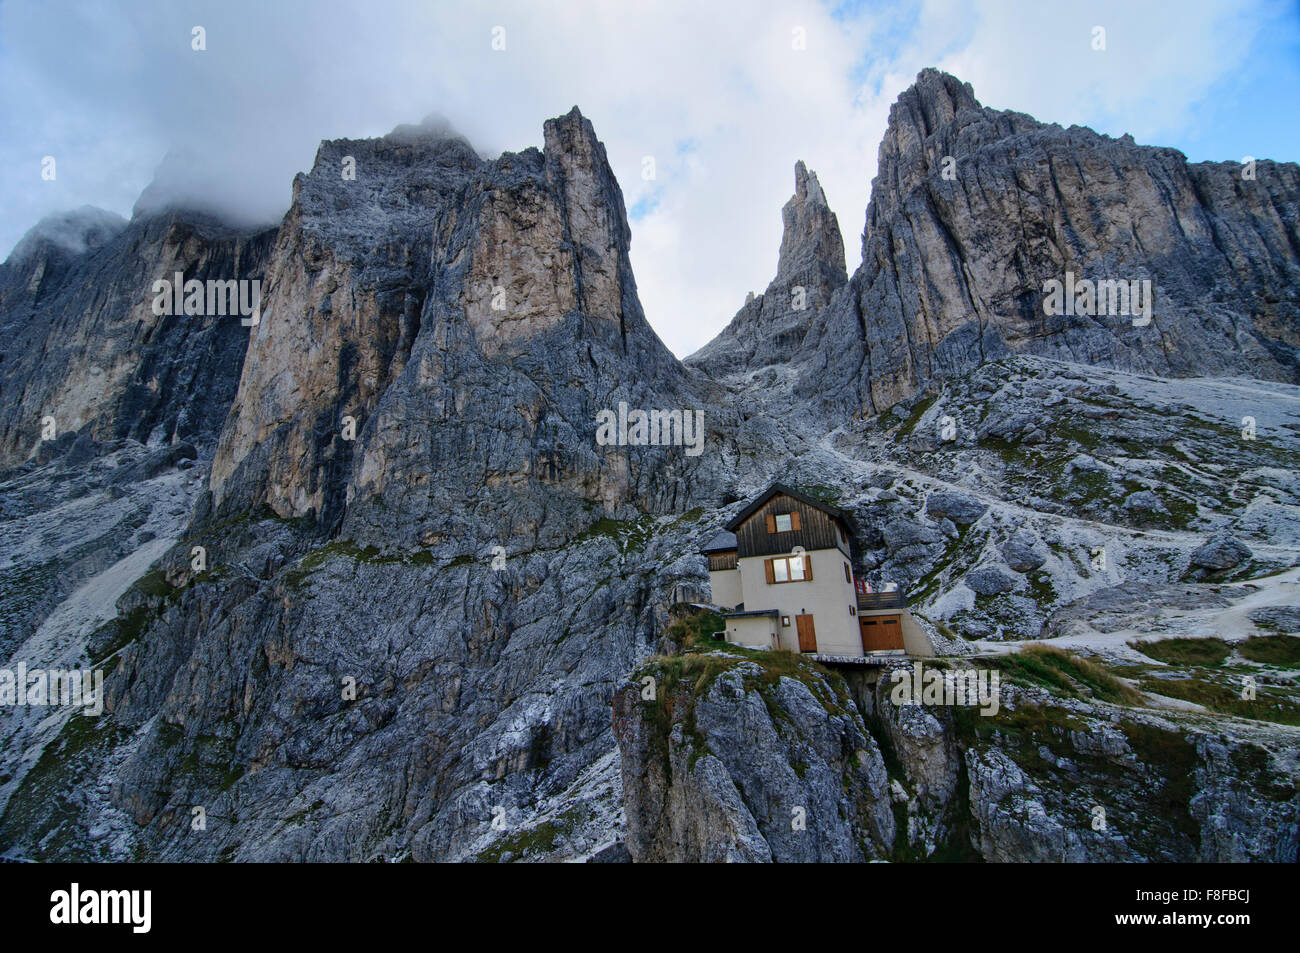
(751, 612)
(773, 490)
(722, 543)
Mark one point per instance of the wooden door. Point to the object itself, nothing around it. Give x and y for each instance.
(807, 634)
(880, 632)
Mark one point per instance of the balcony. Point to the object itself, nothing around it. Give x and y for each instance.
(881, 600)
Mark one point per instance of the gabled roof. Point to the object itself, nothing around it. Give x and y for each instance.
(724, 542)
(758, 503)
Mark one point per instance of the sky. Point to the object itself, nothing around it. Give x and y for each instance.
(725, 97)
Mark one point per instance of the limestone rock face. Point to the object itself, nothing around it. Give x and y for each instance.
(954, 268)
(974, 210)
(79, 341)
(471, 317)
(1223, 551)
(748, 771)
(810, 270)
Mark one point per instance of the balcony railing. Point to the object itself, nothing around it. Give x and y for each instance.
(882, 600)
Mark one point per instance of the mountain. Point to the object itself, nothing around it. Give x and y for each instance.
(974, 210)
(369, 584)
(84, 346)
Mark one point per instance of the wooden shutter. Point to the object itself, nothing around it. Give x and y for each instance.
(847, 578)
(767, 568)
(794, 521)
(771, 523)
(807, 568)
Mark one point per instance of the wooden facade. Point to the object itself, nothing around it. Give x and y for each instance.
(722, 561)
(758, 534)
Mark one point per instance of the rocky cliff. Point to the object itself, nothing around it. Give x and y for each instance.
(84, 346)
(973, 210)
(810, 269)
(367, 586)
(735, 755)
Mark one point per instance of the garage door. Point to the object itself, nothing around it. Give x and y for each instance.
(881, 632)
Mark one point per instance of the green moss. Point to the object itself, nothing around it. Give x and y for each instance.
(828, 495)
(154, 583)
(914, 418)
(346, 549)
(630, 536)
(690, 516)
(117, 633)
(539, 839)
(1254, 765)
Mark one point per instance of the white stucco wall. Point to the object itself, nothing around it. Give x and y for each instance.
(827, 597)
(755, 632)
(725, 589)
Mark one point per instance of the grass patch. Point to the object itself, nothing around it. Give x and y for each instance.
(44, 816)
(116, 634)
(630, 536)
(1173, 757)
(1067, 674)
(915, 416)
(346, 548)
(1266, 706)
(1184, 651)
(1272, 649)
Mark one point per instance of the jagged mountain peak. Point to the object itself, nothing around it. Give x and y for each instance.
(933, 100)
(769, 328)
(434, 127)
(811, 245)
(74, 231)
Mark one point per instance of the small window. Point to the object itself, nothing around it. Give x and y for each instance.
(852, 611)
(785, 621)
(788, 569)
(784, 523)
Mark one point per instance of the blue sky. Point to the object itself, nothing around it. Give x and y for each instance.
(717, 94)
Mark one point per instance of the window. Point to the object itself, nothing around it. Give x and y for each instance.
(785, 622)
(788, 569)
(783, 523)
